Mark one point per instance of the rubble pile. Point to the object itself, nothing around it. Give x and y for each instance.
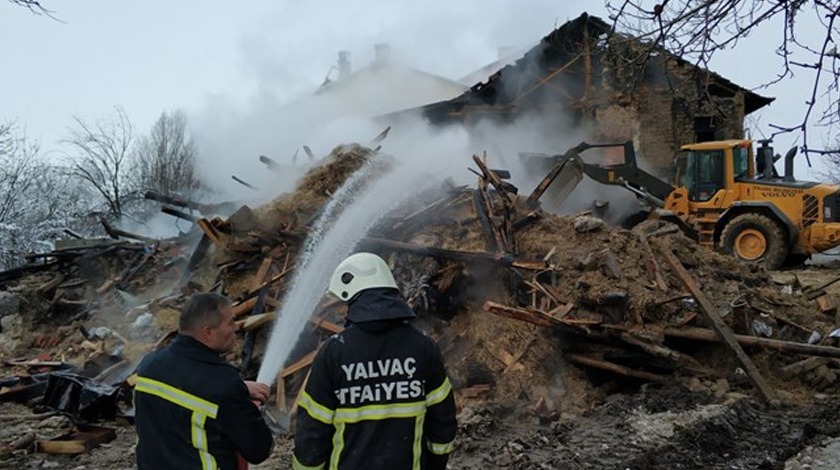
(512, 294)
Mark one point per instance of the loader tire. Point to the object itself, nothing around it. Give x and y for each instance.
(755, 238)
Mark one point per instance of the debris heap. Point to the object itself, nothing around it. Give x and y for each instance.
(512, 294)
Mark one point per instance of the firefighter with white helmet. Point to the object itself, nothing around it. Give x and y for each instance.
(378, 396)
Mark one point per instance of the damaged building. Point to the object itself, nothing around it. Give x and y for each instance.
(612, 86)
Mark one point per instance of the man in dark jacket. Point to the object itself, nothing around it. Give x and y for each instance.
(378, 396)
(192, 410)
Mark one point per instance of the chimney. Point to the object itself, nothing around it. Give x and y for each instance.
(344, 67)
(382, 53)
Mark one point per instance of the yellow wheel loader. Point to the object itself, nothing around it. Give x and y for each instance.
(723, 196)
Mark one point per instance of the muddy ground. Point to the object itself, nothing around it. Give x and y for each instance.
(600, 423)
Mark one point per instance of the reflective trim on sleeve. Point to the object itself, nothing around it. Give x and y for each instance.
(439, 394)
(315, 409)
(417, 447)
(378, 412)
(440, 449)
(338, 445)
(199, 441)
(201, 410)
(177, 396)
(296, 465)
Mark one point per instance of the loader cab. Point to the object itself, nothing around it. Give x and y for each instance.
(706, 168)
(701, 172)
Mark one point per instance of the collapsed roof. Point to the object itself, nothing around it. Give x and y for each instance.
(566, 64)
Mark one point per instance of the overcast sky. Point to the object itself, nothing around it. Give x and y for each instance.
(211, 57)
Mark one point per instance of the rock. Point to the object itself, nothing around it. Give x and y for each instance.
(587, 223)
(144, 320)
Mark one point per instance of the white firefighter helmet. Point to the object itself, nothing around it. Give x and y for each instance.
(359, 272)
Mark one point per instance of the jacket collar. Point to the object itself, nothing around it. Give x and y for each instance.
(378, 304)
(190, 347)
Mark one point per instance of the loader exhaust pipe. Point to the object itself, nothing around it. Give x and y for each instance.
(789, 164)
(765, 159)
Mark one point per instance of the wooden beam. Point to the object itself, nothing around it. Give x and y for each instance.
(259, 277)
(280, 399)
(301, 363)
(521, 314)
(294, 407)
(545, 79)
(269, 282)
(720, 327)
(493, 179)
(326, 325)
(812, 293)
(209, 231)
(484, 221)
(244, 307)
(614, 368)
(52, 284)
(256, 321)
(243, 182)
(703, 334)
(800, 367)
(179, 214)
(77, 442)
(457, 255)
(175, 201)
(116, 233)
(825, 304)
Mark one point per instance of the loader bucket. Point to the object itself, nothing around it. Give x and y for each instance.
(564, 184)
(563, 177)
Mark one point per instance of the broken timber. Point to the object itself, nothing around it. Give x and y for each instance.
(703, 334)
(614, 368)
(175, 201)
(243, 182)
(116, 233)
(209, 230)
(457, 255)
(484, 220)
(176, 213)
(717, 322)
(77, 442)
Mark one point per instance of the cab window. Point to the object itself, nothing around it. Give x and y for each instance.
(740, 162)
(703, 175)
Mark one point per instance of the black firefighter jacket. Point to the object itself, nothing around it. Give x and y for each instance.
(378, 396)
(193, 411)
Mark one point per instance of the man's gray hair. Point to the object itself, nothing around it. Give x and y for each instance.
(202, 309)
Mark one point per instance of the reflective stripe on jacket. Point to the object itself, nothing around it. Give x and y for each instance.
(375, 400)
(193, 411)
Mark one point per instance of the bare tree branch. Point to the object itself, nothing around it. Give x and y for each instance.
(36, 7)
(166, 158)
(699, 30)
(101, 158)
